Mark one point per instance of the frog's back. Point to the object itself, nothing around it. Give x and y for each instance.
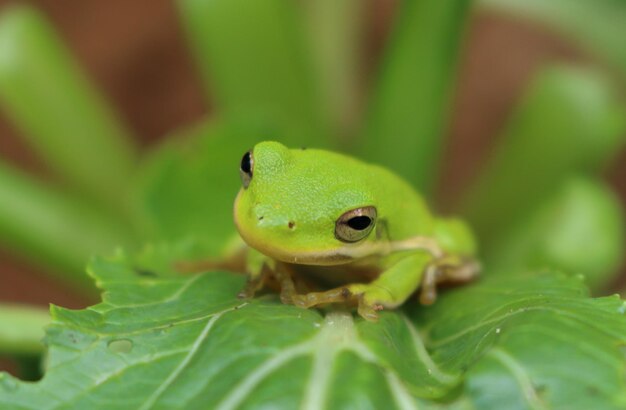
(401, 210)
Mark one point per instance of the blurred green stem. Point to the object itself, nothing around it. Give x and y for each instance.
(254, 59)
(569, 122)
(336, 30)
(57, 109)
(407, 118)
(54, 230)
(22, 329)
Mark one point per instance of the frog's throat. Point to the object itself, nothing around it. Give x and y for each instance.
(348, 253)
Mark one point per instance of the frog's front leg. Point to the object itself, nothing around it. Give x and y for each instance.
(405, 273)
(402, 277)
(258, 268)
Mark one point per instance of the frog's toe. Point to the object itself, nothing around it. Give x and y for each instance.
(368, 310)
(302, 301)
(338, 295)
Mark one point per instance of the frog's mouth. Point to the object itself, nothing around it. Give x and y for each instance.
(342, 254)
(331, 257)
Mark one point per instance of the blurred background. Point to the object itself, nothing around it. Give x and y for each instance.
(500, 70)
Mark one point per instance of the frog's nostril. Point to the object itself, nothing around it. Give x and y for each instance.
(260, 218)
(291, 224)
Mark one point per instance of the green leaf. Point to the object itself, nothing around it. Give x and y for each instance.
(531, 341)
(254, 60)
(21, 331)
(188, 185)
(161, 340)
(410, 105)
(336, 30)
(597, 25)
(54, 230)
(579, 229)
(62, 116)
(570, 122)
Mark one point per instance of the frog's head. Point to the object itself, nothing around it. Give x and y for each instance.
(303, 205)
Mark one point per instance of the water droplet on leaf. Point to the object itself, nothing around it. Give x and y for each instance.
(120, 345)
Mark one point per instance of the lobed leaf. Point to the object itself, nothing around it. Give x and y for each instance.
(161, 340)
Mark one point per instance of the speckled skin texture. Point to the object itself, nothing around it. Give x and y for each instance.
(296, 196)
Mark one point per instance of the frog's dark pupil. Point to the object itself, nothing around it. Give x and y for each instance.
(359, 222)
(246, 165)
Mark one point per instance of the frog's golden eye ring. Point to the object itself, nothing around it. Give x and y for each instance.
(245, 169)
(356, 224)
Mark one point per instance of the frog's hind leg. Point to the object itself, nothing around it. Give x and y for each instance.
(448, 269)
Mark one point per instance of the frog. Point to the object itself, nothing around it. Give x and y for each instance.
(314, 210)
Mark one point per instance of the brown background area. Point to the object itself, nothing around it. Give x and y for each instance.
(135, 53)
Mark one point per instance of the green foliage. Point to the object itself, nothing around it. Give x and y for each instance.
(160, 339)
(22, 329)
(409, 110)
(163, 341)
(61, 114)
(55, 230)
(569, 122)
(580, 229)
(596, 25)
(253, 57)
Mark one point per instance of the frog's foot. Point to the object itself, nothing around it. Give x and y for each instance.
(338, 295)
(446, 270)
(369, 299)
(252, 286)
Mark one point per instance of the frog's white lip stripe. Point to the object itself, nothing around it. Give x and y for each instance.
(344, 254)
(347, 254)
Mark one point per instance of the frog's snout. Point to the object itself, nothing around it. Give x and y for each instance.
(266, 219)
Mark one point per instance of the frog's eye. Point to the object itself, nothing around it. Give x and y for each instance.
(245, 169)
(356, 224)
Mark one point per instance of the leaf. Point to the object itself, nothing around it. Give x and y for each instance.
(60, 113)
(579, 229)
(570, 122)
(57, 231)
(411, 98)
(254, 60)
(188, 185)
(161, 340)
(335, 31)
(531, 341)
(22, 329)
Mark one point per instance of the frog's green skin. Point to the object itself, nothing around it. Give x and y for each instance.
(289, 210)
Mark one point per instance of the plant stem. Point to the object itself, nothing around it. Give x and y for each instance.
(22, 329)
